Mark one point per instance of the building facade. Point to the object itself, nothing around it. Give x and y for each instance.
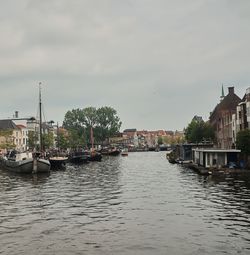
(243, 113)
(222, 119)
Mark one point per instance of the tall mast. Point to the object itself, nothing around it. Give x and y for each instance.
(40, 117)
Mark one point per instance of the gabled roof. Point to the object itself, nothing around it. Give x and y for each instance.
(7, 124)
(229, 102)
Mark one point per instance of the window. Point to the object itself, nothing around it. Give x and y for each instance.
(23, 140)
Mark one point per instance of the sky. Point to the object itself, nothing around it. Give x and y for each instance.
(157, 62)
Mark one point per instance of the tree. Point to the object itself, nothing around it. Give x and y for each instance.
(48, 140)
(198, 131)
(160, 140)
(108, 123)
(7, 139)
(243, 141)
(78, 122)
(62, 140)
(74, 123)
(33, 140)
(73, 119)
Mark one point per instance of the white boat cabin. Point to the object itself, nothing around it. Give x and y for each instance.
(215, 158)
(16, 156)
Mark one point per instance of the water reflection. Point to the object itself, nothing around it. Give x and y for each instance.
(134, 205)
(228, 199)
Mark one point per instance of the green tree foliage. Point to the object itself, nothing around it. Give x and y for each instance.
(33, 140)
(62, 140)
(8, 139)
(243, 141)
(48, 140)
(78, 122)
(160, 140)
(108, 123)
(198, 131)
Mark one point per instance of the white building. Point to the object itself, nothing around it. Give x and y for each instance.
(21, 137)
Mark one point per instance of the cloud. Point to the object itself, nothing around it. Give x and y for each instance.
(157, 62)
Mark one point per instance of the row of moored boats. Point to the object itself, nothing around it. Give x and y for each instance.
(28, 163)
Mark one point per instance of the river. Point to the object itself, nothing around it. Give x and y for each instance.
(138, 204)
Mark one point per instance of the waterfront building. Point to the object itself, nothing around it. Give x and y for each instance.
(243, 112)
(234, 129)
(215, 158)
(221, 119)
(21, 138)
(130, 137)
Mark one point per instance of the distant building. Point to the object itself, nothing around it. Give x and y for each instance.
(221, 119)
(130, 137)
(243, 112)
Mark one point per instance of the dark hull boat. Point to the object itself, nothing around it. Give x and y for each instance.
(78, 158)
(95, 156)
(110, 152)
(58, 162)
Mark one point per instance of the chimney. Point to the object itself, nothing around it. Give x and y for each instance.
(230, 90)
(16, 114)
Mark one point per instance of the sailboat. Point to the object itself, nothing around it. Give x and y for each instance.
(40, 164)
(25, 162)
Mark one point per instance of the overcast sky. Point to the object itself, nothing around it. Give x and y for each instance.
(157, 62)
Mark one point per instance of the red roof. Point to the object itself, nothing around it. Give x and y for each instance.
(20, 126)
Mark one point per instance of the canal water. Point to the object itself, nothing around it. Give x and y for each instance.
(138, 204)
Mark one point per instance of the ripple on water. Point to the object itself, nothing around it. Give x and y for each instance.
(140, 204)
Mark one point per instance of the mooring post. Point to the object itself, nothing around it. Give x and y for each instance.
(34, 165)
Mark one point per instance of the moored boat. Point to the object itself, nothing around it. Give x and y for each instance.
(124, 152)
(94, 156)
(24, 163)
(110, 151)
(58, 162)
(78, 157)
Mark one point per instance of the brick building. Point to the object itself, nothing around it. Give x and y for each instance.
(221, 119)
